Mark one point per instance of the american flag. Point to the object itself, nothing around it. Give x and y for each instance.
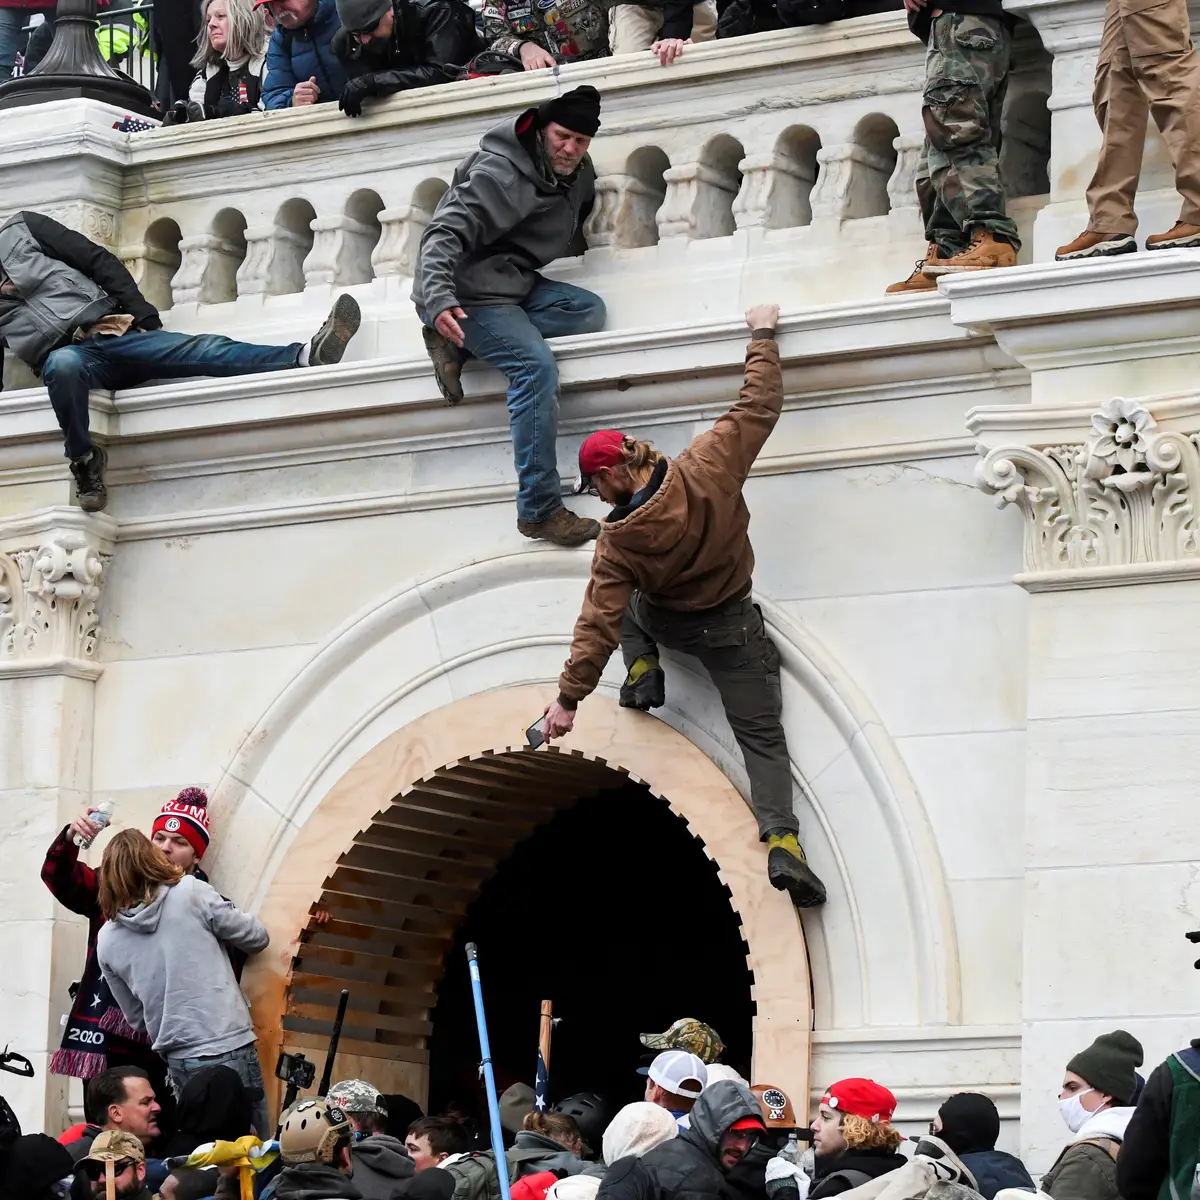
(129, 124)
(541, 1085)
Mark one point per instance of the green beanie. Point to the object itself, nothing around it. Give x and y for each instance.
(1110, 1064)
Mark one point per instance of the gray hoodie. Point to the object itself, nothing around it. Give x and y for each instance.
(500, 221)
(172, 977)
(380, 1165)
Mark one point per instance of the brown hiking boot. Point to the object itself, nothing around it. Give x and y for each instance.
(1180, 236)
(564, 528)
(447, 364)
(985, 252)
(918, 281)
(89, 480)
(1096, 245)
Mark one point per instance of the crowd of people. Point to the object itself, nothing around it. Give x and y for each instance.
(699, 1131)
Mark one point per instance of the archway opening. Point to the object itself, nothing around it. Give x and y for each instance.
(579, 885)
(613, 911)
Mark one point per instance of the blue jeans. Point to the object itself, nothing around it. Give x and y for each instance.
(107, 363)
(243, 1060)
(512, 338)
(12, 22)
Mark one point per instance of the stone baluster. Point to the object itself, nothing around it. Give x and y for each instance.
(396, 251)
(341, 251)
(208, 272)
(624, 213)
(902, 186)
(274, 261)
(851, 182)
(775, 192)
(699, 202)
(152, 268)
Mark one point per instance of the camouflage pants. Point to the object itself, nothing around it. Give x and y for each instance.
(958, 176)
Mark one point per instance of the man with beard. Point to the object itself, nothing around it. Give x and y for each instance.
(128, 1165)
(725, 1123)
(673, 568)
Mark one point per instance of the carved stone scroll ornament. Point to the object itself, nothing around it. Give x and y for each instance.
(50, 599)
(1122, 497)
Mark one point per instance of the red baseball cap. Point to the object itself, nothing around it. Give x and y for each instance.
(600, 449)
(750, 1123)
(861, 1098)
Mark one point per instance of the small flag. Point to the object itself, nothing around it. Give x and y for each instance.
(129, 124)
(541, 1085)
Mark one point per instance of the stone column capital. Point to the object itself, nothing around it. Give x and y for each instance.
(52, 568)
(1116, 507)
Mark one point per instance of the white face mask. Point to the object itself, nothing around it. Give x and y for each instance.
(1073, 1112)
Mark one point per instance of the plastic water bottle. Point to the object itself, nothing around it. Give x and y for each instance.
(101, 815)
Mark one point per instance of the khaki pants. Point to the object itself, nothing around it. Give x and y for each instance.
(1147, 65)
(633, 27)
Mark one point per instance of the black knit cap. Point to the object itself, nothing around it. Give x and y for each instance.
(970, 1123)
(1110, 1065)
(577, 110)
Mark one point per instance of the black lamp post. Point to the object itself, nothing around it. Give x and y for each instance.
(74, 68)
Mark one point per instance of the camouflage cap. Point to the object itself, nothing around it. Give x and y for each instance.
(691, 1035)
(357, 1096)
(115, 1144)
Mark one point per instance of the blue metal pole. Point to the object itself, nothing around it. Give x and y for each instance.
(489, 1078)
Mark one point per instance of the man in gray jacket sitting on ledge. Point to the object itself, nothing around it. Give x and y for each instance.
(71, 311)
(516, 204)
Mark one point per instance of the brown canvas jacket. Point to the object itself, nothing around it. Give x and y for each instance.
(688, 546)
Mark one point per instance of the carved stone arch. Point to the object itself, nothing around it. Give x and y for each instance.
(883, 950)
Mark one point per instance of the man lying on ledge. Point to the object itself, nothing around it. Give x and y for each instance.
(672, 568)
(71, 311)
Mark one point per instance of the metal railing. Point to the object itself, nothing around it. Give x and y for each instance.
(126, 38)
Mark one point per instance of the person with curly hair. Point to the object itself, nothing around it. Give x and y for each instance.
(853, 1137)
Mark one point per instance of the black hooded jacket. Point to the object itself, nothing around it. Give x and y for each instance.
(687, 1167)
(830, 1181)
(426, 39)
(30, 1164)
(213, 1107)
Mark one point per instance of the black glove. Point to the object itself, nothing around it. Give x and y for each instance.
(177, 114)
(1194, 936)
(355, 92)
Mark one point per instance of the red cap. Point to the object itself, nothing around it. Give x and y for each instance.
(750, 1123)
(861, 1098)
(600, 449)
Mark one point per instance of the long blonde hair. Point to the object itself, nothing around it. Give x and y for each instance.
(639, 460)
(131, 871)
(247, 34)
(861, 1134)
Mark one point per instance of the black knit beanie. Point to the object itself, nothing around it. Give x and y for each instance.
(33, 1163)
(1110, 1065)
(577, 110)
(970, 1123)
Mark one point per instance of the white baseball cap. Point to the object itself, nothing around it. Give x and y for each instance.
(680, 1073)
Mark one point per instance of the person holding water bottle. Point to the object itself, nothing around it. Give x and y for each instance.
(96, 1036)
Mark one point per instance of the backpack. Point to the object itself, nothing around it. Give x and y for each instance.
(849, 1176)
(476, 1178)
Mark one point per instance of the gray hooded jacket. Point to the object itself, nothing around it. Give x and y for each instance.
(172, 977)
(687, 1167)
(500, 221)
(380, 1164)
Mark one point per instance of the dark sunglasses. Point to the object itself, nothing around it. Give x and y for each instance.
(94, 1170)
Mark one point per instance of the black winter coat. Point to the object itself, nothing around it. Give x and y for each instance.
(1145, 1159)
(871, 1163)
(427, 38)
(687, 1167)
(995, 1170)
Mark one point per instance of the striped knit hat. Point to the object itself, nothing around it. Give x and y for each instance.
(186, 815)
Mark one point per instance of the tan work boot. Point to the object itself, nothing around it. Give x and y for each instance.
(1096, 245)
(985, 252)
(563, 528)
(1180, 236)
(918, 281)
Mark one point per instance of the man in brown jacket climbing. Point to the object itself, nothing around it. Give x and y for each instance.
(672, 568)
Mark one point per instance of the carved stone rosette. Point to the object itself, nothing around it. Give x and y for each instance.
(1123, 497)
(50, 602)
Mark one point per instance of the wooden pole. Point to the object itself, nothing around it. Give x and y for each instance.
(547, 1026)
(110, 1180)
